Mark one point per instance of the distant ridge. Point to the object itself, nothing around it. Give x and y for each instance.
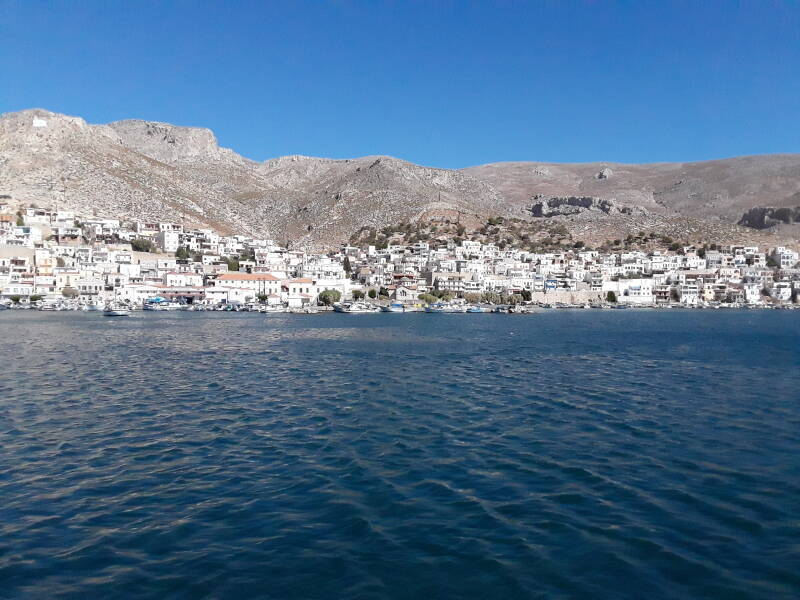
(149, 170)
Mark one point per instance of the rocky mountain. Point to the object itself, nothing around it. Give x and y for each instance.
(144, 170)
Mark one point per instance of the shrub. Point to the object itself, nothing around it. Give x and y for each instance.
(428, 298)
(329, 297)
(142, 245)
(358, 295)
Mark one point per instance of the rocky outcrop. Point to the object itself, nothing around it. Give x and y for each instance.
(573, 205)
(764, 217)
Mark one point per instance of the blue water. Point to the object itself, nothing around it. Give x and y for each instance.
(585, 454)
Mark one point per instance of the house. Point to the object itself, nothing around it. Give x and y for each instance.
(257, 283)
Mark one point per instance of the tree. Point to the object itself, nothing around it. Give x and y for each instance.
(472, 297)
(142, 245)
(611, 296)
(233, 264)
(358, 295)
(181, 253)
(70, 292)
(330, 297)
(384, 292)
(348, 268)
(35, 298)
(20, 221)
(526, 295)
(515, 299)
(262, 298)
(578, 245)
(15, 299)
(60, 262)
(428, 298)
(372, 294)
(675, 296)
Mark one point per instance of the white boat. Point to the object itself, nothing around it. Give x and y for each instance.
(159, 303)
(356, 308)
(115, 311)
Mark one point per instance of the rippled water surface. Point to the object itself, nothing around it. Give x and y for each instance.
(607, 454)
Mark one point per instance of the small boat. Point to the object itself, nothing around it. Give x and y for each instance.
(394, 307)
(477, 309)
(436, 307)
(356, 308)
(114, 310)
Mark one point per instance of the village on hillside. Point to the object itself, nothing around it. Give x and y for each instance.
(55, 260)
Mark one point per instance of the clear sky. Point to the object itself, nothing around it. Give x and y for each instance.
(447, 84)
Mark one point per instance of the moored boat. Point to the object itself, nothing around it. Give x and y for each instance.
(116, 311)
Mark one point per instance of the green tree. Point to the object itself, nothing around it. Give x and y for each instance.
(330, 297)
(358, 295)
(15, 299)
(384, 292)
(526, 295)
(262, 298)
(60, 262)
(348, 268)
(611, 296)
(233, 263)
(428, 298)
(372, 294)
(20, 221)
(182, 253)
(472, 297)
(674, 295)
(35, 298)
(70, 292)
(514, 299)
(142, 245)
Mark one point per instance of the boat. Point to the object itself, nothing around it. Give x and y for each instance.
(356, 308)
(478, 309)
(436, 307)
(115, 311)
(159, 303)
(394, 307)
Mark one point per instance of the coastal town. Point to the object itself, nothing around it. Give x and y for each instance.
(56, 260)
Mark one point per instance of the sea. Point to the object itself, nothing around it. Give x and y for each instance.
(564, 454)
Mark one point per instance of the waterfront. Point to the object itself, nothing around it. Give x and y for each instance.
(587, 453)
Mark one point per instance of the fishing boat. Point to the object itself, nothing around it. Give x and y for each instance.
(477, 309)
(356, 308)
(394, 307)
(436, 307)
(116, 311)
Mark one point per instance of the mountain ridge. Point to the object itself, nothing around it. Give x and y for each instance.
(142, 169)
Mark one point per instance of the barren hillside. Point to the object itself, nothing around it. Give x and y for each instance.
(145, 170)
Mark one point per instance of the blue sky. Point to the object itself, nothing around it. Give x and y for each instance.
(447, 84)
